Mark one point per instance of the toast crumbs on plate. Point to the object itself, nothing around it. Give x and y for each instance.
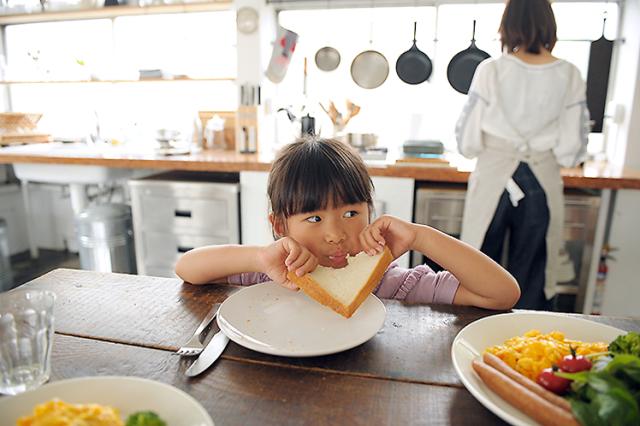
(60, 413)
(533, 352)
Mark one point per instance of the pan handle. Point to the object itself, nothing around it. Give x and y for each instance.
(415, 25)
(473, 35)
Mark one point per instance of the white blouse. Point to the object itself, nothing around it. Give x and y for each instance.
(534, 107)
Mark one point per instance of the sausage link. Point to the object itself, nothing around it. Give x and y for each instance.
(522, 398)
(506, 369)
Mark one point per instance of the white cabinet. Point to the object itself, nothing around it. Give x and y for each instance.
(254, 215)
(392, 196)
(175, 212)
(12, 211)
(622, 287)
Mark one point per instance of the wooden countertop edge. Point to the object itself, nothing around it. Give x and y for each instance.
(253, 163)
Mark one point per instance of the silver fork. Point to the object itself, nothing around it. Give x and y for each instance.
(194, 346)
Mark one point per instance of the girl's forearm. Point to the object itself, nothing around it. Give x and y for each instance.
(211, 263)
(475, 271)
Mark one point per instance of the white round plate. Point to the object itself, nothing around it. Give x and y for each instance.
(472, 340)
(271, 319)
(127, 394)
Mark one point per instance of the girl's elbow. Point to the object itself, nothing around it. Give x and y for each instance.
(181, 272)
(184, 272)
(511, 294)
(508, 295)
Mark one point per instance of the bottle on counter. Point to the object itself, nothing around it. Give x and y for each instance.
(214, 133)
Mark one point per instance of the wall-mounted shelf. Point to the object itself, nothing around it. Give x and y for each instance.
(113, 12)
(144, 80)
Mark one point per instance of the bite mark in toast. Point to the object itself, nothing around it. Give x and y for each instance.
(318, 292)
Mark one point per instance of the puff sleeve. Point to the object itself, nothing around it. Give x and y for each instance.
(573, 123)
(469, 124)
(417, 285)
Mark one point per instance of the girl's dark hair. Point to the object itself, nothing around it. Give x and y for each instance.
(311, 174)
(528, 24)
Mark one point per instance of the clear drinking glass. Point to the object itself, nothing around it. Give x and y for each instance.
(26, 336)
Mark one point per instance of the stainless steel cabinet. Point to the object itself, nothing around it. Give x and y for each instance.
(442, 208)
(177, 211)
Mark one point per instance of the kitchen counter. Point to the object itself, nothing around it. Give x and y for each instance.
(595, 175)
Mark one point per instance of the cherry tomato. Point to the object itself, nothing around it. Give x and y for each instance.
(553, 383)
(573, 364)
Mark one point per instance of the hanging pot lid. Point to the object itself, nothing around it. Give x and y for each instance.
(327, 58)
(369, 69)
(414, 66)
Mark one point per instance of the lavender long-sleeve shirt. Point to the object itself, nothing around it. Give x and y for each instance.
(416, 285)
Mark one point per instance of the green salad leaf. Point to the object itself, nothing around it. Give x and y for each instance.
(626, 344)
(145, 418)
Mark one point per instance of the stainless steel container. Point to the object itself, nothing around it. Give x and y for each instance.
(105, 237)
(362, 140)
(6, 276)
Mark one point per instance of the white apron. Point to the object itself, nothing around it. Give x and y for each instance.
(495, 166)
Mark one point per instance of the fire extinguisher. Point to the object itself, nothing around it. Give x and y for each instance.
(601, 279)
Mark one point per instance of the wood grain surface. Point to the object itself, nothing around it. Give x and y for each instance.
(596, 175)
(237, 393)
(118, 324)
(414, 344)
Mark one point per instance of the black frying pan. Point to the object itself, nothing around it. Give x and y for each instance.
(463, 65)
(598, 79)
(414, 66)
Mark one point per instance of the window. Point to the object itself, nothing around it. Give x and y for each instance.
(197, 45)
(397, 111)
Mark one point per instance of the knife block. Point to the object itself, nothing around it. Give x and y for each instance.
(247, 129)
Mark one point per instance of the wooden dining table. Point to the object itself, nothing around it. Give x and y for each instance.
(131, 325)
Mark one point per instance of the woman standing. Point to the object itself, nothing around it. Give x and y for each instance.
(525, 117)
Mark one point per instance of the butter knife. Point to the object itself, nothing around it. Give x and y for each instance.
(209, 355)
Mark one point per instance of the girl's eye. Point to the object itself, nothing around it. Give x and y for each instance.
(351, 213)
(313, 219)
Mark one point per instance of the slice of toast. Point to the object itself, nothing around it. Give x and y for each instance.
(344, 289)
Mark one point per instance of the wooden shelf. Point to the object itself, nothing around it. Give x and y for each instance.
(144, 80)
(113, 12)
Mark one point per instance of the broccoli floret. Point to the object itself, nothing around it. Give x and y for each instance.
(145, 418)
(626, 344)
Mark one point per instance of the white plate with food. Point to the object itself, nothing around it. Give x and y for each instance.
(274, 320)
(127, 395)
(472, 341)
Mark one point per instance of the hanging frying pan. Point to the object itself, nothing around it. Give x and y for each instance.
(327, 58)
(463, 65)
(598, 78)
(369, 69)
(414, 66)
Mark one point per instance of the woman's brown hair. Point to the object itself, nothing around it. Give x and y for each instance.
(312, 174)
(528, 24)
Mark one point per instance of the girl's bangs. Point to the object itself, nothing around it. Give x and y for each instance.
(317, 185)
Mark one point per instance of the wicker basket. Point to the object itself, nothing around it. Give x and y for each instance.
(18, 121)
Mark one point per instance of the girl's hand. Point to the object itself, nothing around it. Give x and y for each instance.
(286, 255)
(391, 231)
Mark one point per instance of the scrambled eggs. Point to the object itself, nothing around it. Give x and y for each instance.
(533, 352)
(60, 413)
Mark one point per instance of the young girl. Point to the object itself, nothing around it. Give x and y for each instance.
(321, 204)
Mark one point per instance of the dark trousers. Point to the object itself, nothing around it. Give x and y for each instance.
(526, 226)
